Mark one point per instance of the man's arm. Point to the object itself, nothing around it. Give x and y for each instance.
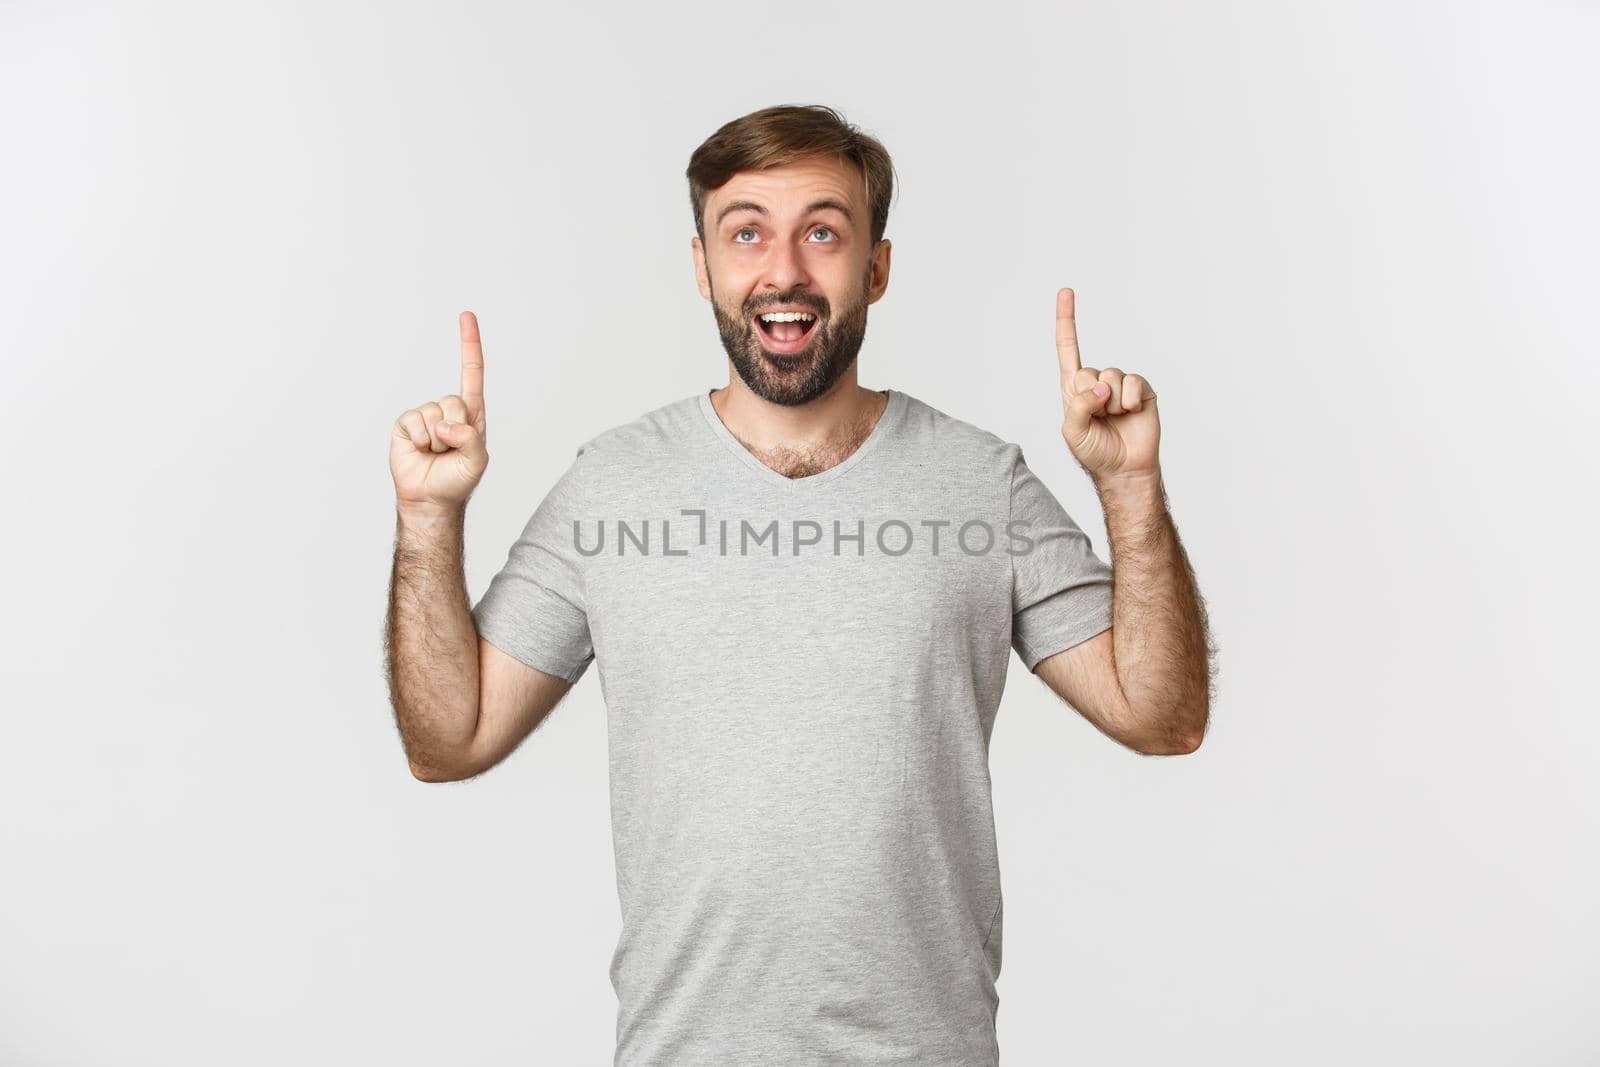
(461, 704)
(1146, 682)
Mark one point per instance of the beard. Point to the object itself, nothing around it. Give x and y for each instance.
(809, 373)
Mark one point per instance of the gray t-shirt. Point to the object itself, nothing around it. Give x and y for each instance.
(800, 679)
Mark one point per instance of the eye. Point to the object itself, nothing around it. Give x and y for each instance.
(736, 233)
(824, 229)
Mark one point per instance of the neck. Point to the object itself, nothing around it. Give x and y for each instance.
(842, 416)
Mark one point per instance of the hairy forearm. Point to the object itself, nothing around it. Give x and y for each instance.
(432, 642)
(1159, 630)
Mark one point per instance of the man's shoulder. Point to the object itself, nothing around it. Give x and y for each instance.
(954, 440)
(645, 435)
(945, 441)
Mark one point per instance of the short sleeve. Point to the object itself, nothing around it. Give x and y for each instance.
(1060, 590)
(535, 608)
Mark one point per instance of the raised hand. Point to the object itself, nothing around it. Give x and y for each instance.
(1111, 425)
(439, 451)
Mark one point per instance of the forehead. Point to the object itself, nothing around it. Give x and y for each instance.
(792, 186)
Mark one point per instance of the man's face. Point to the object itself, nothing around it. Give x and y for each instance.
(793, 237)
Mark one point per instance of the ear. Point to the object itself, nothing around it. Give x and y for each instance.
(880, 271)
(701, 278)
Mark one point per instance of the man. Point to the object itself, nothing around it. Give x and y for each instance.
(802, 595)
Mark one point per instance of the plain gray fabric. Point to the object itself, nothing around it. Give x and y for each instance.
(801, 678)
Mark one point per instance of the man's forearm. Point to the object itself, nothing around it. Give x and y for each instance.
(1159, 629)
(432, 643)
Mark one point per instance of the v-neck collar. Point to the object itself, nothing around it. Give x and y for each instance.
(880, 429)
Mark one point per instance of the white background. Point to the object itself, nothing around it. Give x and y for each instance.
(1351, 246)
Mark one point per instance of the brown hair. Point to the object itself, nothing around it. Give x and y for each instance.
(788, 133)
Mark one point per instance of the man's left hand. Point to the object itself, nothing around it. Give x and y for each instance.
(1115, 436)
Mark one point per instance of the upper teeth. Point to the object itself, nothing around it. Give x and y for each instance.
(787, 316)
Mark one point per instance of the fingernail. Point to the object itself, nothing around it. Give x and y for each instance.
(442, 427)
(1102, 390)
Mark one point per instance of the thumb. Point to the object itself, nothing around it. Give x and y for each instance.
(463, 437)
(1082, 407)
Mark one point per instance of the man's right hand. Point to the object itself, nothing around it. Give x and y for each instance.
(438, 451)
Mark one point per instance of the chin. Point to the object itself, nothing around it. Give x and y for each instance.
(789, 362)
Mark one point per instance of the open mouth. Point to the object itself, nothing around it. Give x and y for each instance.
(786, 338)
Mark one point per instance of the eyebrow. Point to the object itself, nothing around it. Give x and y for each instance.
(825, 203)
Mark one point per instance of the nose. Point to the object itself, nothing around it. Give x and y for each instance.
(785, 268)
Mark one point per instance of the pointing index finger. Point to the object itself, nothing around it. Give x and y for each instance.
(471, 365)
(1067, 339)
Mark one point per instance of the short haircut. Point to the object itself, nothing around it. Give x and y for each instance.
(788, 133)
